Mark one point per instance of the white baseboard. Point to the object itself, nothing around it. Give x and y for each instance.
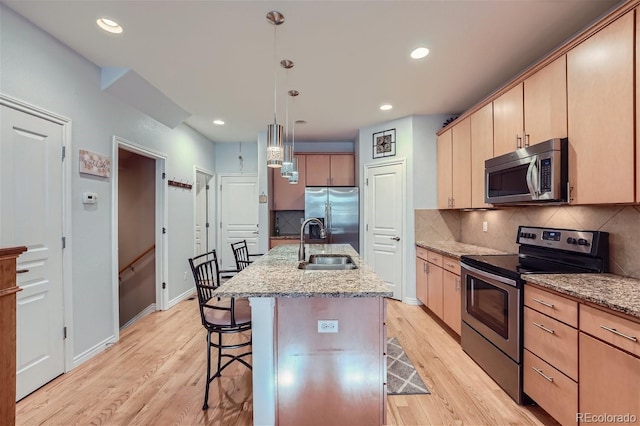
(411, 301)
(184, 296)
(93, 351)
(146, 311)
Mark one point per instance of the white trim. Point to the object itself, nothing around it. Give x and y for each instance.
(67, 252)
(146, 311)
(263, 359)
(403, 232)
(93, 351)
(184, 296)
(160, 220)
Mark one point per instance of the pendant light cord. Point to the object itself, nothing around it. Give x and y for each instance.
(275, 80)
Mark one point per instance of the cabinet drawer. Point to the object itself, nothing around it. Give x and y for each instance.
(551, 304)
(611, 328)
(551, 340)
(451, 264)
(422, 253)
(556, 393)
(435, 258)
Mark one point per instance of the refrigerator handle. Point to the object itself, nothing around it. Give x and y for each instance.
(327, 218)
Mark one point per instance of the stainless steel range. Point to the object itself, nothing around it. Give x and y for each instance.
(492, 297)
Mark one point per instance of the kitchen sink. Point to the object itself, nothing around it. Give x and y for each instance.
(328, 262)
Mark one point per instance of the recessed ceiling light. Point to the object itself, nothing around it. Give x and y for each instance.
(109, 25)
(386, 107)
(218, 122)
(419, 53)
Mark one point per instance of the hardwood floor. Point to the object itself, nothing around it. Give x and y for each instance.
(155, 376)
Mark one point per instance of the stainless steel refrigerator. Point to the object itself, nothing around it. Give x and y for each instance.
(338, 209)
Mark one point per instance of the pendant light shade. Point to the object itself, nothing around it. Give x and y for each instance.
(293, 179)
(274, 131)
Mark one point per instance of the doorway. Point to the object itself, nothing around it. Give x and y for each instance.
(139, 242)
(384, 216)
(204, 232)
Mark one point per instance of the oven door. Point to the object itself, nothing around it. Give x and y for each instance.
(492, 307)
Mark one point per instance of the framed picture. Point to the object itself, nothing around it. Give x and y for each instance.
(384, 144)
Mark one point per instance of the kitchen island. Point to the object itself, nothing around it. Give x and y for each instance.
(319, 339)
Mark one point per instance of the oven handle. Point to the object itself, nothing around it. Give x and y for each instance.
(489, 275)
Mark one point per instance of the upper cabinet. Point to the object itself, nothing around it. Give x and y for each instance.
(600, 85)
(285, 195)
(508, 121)
(545, 103)
(481, 150)
(533, 111)
(454, 167)
(330, 170)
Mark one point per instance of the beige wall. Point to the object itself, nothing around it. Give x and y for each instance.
(621, 222)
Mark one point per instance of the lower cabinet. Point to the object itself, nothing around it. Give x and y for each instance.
(438, 286)
(609, 366)
(281, 241)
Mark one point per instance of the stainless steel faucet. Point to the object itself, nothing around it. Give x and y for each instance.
(323, 234)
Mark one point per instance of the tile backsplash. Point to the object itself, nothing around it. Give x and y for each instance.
(289, 221)
(621, 222)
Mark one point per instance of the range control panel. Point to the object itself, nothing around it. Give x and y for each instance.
(559, 239)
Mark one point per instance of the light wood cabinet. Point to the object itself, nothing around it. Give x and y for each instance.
(451, 294)
(421, 275)
(637, 108)
(545, 103)
(434, 283)
(600, 89)
(508, 121)
(550, 367)
(481, 150)
(8, 290)
(330, 170)
(454, 167)
(609, 363)
(273, 242)
(285, 195)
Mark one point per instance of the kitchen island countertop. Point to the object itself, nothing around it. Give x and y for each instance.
(276, 274)
(455, 249)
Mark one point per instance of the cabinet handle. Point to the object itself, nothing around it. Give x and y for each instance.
(449, 202)
(453, 202)
(614, 331)
(542, 302)
(548, 330)
(537, 370)
(457, 281)
(526, 139)
(450, 265)
(518, 139)
(22, 271)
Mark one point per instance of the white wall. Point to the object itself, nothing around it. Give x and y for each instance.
(416, 142)
(39, 70)
(227, 160)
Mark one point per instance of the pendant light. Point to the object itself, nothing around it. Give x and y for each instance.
(274, 131)
(293, 179)
(287, 160)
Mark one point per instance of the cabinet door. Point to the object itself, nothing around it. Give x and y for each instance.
(285, 195)
(545, 103)
(445, 156)
(421, 280)
(481, 150)
(508, 121)
(637, 109)
(434, 289)
(318, 169)
(600, 98)
(452, 300)
(461, 165)
(608, 379)
(342, 169)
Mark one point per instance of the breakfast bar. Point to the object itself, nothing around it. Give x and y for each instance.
(319, 337)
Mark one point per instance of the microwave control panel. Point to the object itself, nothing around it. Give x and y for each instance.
(545, 175)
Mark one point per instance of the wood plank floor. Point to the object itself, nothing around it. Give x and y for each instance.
(155, 376)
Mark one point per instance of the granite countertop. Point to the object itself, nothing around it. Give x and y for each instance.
(615, 292)
(276, 274)
(455, 249)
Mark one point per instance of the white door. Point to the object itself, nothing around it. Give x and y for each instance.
(204, 211)
(31, 216)
(384, 214)
(238, 216)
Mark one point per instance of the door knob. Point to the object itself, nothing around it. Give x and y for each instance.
(256, 232)
(395, 238)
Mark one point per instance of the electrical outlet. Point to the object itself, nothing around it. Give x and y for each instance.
(185, 275)
(301, 220)
(485, 226)
(327, 326)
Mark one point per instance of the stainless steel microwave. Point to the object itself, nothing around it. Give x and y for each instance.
(537, 173)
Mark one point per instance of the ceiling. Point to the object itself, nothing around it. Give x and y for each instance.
(215, 59)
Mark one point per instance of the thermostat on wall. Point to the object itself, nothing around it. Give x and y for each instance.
(89, 198)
